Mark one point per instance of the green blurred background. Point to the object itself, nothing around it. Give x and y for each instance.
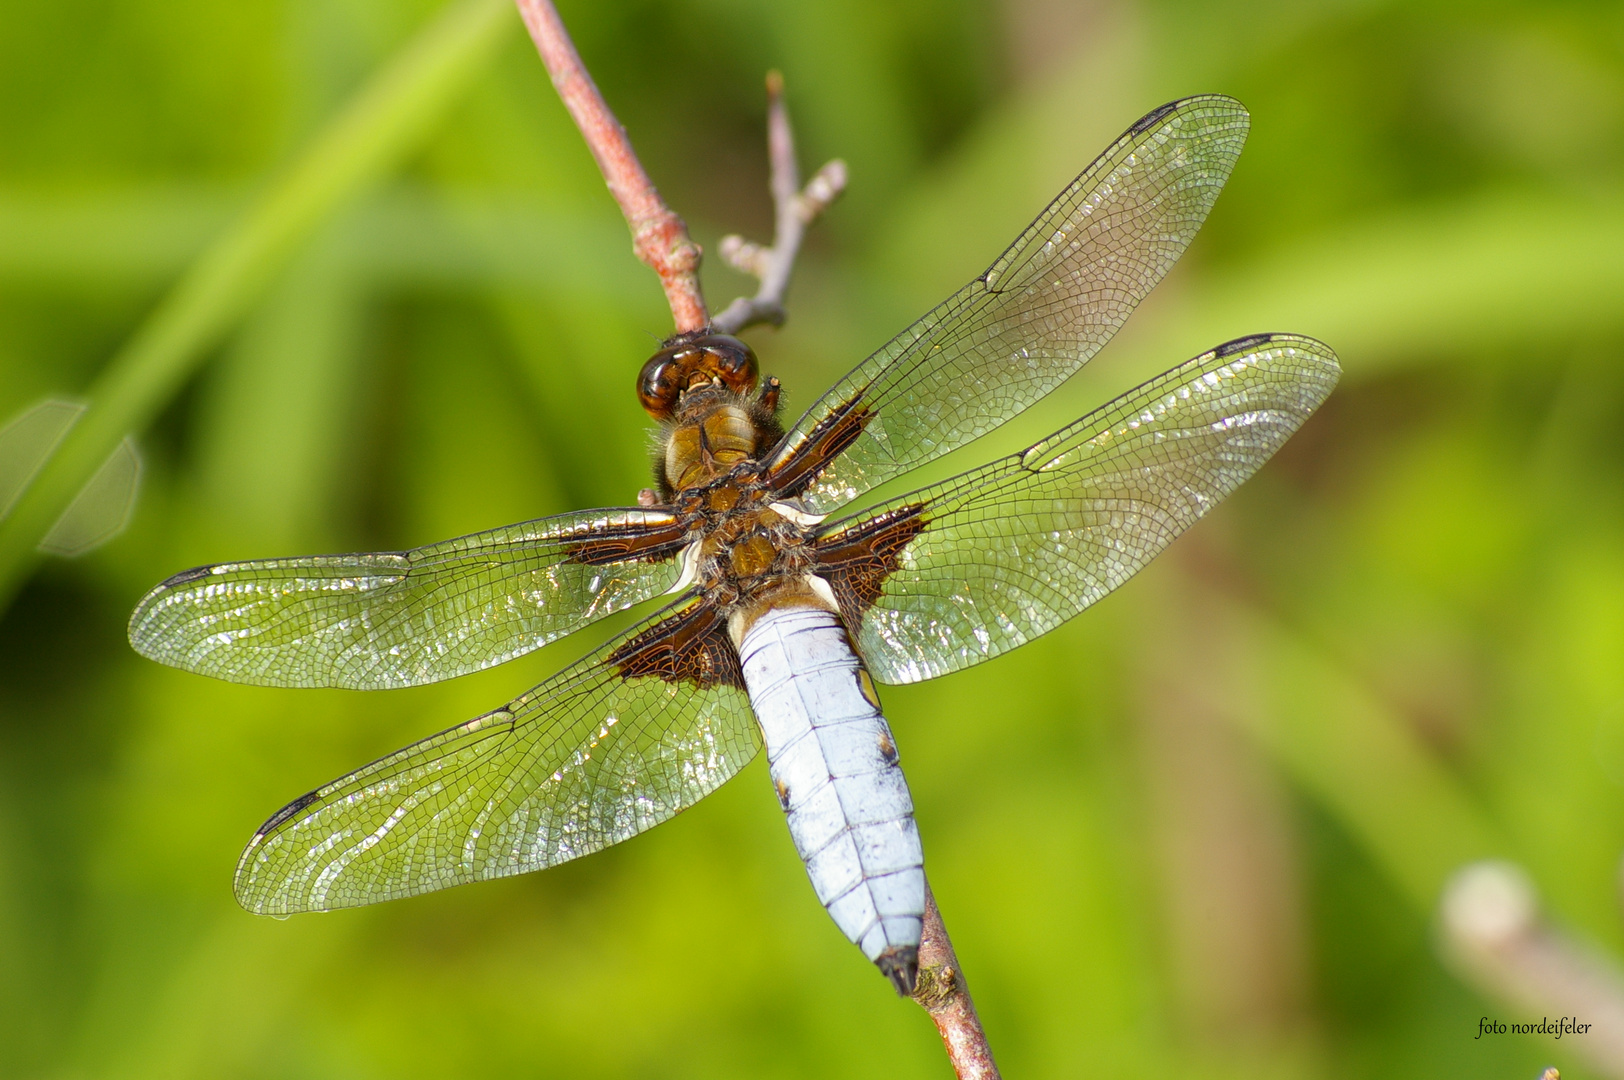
(1199, 832)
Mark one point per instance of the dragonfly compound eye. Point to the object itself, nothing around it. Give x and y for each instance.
(730, 360)
(660, 383)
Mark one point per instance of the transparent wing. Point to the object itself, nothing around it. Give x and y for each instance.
(958, 573)
(387, 619)
(1037, 315)
(611, 746)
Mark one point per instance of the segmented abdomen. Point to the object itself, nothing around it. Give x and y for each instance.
(834, 765)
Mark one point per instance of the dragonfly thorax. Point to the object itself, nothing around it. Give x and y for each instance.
(747, 548)
(705, 449)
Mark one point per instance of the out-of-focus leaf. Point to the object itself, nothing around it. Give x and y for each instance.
(27, 441)
(101, 509)
(87, 238)
(1361, 762)
(1444, 282)
(404, 236)
(279, 418)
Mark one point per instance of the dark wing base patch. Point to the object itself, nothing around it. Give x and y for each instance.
(856, 561)
(691, 646)
(960, 572)
(833, 434)
(631, 544)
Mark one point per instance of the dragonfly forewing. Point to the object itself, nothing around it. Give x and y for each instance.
(389, 619)
(958, 573)
(1047, 305)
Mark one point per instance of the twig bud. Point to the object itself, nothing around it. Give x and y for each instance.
(825, 187)
(745, 256)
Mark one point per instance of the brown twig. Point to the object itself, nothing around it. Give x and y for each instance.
(659, 236)
(941, 991)
(794, 208)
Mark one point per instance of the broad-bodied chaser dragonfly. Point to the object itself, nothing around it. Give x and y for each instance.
(784, 617)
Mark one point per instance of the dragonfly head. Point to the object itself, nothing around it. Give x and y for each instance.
(690, 363)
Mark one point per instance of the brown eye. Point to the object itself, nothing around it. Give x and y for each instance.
(661, 382)
(730, 360)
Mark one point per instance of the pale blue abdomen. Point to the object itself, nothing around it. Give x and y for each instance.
(834, 765)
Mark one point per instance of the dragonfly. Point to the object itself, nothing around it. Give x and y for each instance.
(785, 608)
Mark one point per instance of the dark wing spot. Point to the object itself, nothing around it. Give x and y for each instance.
(783, 793)
(1152, 118)
(856, 561)
(825, 442)
(186, 577)
(288, 811)
(629, 543)
(691, 646)
(1241, 344)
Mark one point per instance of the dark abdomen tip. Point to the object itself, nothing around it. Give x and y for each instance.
(900, 964)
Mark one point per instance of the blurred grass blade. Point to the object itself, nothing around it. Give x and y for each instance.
(1459, 283)
(101, 510)
(27, 442)
(380, 124)
(1361, 762)
(266, 443)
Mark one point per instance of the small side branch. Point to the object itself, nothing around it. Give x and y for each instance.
(659, 236)
(941, 991)
(794, 209)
